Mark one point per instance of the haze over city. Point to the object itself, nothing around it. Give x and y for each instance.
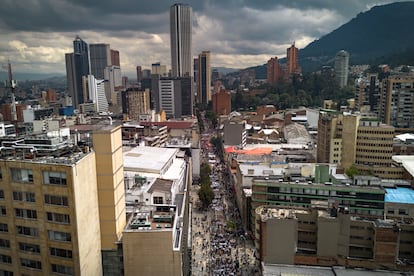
(35, 35)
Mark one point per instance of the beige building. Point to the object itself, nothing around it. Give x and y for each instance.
(50, 213)
(314, 236)
(348, 139)
(107, 145)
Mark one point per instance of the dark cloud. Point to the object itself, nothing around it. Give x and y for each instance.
(40, 31)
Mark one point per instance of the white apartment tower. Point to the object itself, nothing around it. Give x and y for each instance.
(341, 68)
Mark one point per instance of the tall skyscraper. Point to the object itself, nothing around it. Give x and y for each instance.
(396, 102)
(341, 68)
(139, 73)
(96, 91)
(204, 78)
(115, 58)
(100, 55)
(77, 67)
(180, 36)
(274, 72)
(292, 60)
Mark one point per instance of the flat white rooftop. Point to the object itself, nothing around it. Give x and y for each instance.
(147, 159)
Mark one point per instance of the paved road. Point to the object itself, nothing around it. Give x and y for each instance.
(219, 245)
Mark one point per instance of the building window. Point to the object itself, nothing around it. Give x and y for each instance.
(59, 252)
(4, 243)
(3, 211)
(157, 200)
(59, 236)
(5, 259)
(31, 263)
(27, 231)
(1, 194)
(26, 213)
(24, 196)
(54, 178)
(22, 175)
(6, 273)
(4, 227)
(58, 218)
(61, 269)
(56, 200)
(29, 247)
(402, 212)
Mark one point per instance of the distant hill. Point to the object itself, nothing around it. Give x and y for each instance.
(28, 76)
(383, 31)
(381, 35)
(225, 70)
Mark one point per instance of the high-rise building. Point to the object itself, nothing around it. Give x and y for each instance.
(397, 101)
(100, 55)
(341, 68)
(274, 71)
(180, 36)
(292, 65)
(173, 95)
(348, 139)
(45, 228)
(139, 73)
(367, 94)
(135, 102)
(96, 90)
(204, 78)
(159, 69)
(221, 102)
(107, 145)
(115, 58)
(77, 67)
(113, 83)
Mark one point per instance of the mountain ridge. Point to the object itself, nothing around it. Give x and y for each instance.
(379, 35)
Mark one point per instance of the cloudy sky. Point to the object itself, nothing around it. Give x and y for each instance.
(36, 34)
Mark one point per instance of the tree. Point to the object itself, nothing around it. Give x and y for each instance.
(205, 194)
(352, 171)
(218, 146)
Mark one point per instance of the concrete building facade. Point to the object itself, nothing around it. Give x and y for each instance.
(44, 227)
(319, 237)
(397, 102)
(221, 102)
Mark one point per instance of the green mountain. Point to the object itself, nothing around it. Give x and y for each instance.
(381, 35)
(378, 34)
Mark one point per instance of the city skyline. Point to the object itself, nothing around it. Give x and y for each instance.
(36, 36)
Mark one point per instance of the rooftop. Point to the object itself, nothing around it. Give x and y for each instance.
(399, 195)
(149, 159)
(171, 124)
(406, 136)
(407, 162)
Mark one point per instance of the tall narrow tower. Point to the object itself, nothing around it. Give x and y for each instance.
(100, 57)
(77, 67)
(204, 78)
(180, 35)
(292, 60)
(341, 68)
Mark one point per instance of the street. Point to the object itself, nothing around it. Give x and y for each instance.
(219, 244)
